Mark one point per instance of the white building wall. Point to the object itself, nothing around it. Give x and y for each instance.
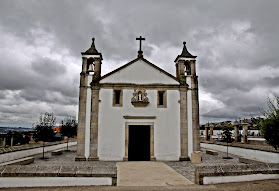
(111, 140)
(139, 73)
(189, 113)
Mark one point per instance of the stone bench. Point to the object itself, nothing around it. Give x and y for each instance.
(248, 161)
(205, 174)
(22, 161)
(57, 152)
(211, 152)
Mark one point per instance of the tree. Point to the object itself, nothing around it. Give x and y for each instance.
(43, 129)
(227, 135)
(69, 128)
(270, 125)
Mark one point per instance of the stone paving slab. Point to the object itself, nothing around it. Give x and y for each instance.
(10, 170)
(84, 171)
(47, 171)
(68, 171)
(148, 174)
(26, 171)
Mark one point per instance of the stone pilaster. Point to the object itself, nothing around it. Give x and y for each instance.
(235, 133)
(82, 117)
(211, 131)
(206, 133)
(94, 124)
(97, 71)
(183, 124)
(195, 112)
(245, 132)
(4, 143)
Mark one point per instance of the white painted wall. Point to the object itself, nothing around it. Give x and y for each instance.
(263, 156)
(111, 140)
(189, 113)
(8, 182)
(240, 178)
(139, 73)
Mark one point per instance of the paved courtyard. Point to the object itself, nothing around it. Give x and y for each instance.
(184, 168)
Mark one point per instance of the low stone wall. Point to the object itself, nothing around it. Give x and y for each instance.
(266, 148)
(26, 147)
(259, 155)
(31, 151)
(58, 171)
(220, 171)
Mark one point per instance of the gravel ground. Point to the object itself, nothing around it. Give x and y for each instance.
(187, 169)
(68, 159)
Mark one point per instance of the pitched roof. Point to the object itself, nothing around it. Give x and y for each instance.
(185, 53)
(92, 50)
(133, 61)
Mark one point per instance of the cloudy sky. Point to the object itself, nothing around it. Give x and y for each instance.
(236, 42)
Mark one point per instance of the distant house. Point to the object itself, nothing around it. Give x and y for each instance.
(57, 129)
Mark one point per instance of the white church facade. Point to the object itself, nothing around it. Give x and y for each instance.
(137, 112)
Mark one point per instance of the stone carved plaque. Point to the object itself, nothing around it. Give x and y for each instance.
(140, 98)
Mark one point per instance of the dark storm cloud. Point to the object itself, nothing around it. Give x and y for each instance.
(48, 67)
(236, 43)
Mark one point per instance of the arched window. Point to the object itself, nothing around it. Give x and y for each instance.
(187, 68)
(90, 65)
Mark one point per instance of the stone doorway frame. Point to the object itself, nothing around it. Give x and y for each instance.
(151, 124)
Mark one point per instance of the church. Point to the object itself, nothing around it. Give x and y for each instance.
(138, 112)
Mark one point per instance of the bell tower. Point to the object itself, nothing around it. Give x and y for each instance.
(189, 104)
(88, 104)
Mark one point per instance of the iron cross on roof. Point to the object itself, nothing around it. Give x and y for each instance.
(140, 39)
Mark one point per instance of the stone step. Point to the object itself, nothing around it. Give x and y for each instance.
(211, 152)
(57, 152)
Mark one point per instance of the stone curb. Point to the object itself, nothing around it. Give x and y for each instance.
(234, 170)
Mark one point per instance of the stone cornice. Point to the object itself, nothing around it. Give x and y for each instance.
(139, 117)
(147, 86)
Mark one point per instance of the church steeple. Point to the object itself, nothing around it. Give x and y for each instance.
(185, 53)
(92, 60)
(92, 50)
(185, 65)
